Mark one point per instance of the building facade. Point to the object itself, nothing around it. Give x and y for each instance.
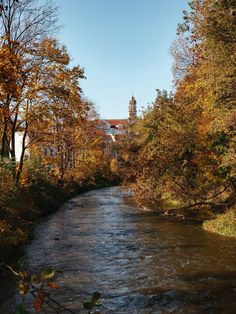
(115, 129)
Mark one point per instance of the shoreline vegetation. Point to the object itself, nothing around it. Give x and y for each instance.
(183, 147)
(223, 223)
(49, 149)
(179, 155)
(30, 202)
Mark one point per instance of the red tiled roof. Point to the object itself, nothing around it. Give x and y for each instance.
(100, 132)
(115, 122)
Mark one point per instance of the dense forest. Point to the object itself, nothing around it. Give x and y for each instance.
(183, 149)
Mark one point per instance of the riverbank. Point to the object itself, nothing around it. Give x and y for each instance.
(28, 205)
(224, 224)
(138, 261)
(31, 204)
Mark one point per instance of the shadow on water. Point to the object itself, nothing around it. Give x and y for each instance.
(138, 261)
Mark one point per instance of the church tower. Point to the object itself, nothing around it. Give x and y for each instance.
(132, 109)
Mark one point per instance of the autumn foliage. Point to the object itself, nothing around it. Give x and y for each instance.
(184, 149)
(48, 146)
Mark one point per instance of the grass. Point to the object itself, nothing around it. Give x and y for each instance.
(224, 224)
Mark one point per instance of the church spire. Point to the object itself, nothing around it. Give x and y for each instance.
(132, 109)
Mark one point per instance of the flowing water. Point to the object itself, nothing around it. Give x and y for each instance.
(139, 262)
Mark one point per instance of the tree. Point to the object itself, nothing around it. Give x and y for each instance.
(23, 24)
(216, 30)
(185, 148)
(54, 108)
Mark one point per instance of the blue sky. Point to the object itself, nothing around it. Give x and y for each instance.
(123, 46)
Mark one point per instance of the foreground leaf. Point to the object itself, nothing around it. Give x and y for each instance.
(87, 304)
(38, 303)
(23, 287)
(53, 285)
(21, 262)
(48, 274)
(20, 309)
(95, 297)
(35, 279)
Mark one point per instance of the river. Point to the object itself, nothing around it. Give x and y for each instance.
(139, 262)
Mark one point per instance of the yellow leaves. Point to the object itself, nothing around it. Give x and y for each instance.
(3, 225)
(48, 274)
(9, 72)
(61, 76)
(23, 275)
(23, 287)
(204, 123)
(114, 166)
(5, 37)
(35, 279)
(126, 156)
(36, 284)
(53, 51)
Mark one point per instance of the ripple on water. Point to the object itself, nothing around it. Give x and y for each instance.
(140, 263)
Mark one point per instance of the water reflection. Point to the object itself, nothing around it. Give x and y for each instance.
(140, 263)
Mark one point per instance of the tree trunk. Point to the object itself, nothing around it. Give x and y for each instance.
(4, 143)
(21, 163)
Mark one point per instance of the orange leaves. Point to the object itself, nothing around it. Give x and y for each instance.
(36, 285)
(38, 302)
(53, 285)
(9, 72)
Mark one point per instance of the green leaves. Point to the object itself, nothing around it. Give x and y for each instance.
(93, 302)
(95, 297)
(21, 262)
(43, 276)
(87, 304)
(20, 309)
